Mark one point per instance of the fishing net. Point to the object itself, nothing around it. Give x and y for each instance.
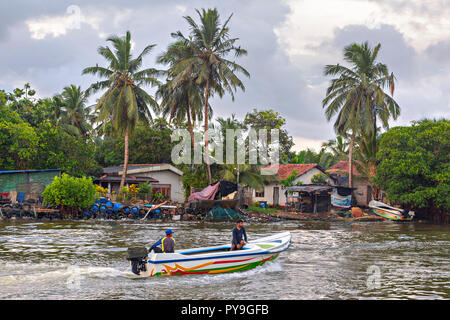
(219, 213)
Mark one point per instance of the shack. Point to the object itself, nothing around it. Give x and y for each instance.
(28, 184)
(310, 198)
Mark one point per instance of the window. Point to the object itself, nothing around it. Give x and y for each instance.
(259, 194)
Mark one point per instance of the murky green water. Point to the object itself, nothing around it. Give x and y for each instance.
(85, 260)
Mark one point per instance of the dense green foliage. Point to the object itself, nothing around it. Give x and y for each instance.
(414, 166)
(37, 134)
(70, 192)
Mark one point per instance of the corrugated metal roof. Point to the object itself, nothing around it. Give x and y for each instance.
(130, 166)
(128, 179)
(30, 170)
(309, 188)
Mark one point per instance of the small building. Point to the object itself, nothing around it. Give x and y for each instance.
(310, 198)
(29, 182)
(274, 193)
(163, 178)
(362, 192)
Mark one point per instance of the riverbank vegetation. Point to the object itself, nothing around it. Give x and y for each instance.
(129, 125)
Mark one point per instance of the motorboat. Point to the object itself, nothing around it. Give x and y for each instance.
(208, 260)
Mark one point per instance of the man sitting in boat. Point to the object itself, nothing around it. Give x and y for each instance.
(167, 243)
(238, 231)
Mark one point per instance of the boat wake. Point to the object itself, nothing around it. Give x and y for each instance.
(21, 274)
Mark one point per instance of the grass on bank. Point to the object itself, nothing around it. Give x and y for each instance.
(262, 210)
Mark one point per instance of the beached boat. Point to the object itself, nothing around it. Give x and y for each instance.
(390, 213)
(208, 260)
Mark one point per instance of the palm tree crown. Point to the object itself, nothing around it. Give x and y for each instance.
(210, 45)
(75, 114)
(356, 96)
(125, 101)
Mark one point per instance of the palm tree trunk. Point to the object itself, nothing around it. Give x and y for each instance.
(191, 130)
(206, 132)
(125, 161)
(350, 160)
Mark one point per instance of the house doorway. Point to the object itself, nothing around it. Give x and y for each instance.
(276, 194)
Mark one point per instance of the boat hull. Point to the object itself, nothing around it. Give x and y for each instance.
(214, 260)
(391, 216)
(388, 212)
(209, 267)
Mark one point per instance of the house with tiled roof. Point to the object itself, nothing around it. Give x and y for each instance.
(274, 193)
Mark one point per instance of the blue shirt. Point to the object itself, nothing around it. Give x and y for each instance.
(237, 235)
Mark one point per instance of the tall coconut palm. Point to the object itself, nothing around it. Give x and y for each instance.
(75, 114)
(125, 102)
(181, 100)
(211, 45)
(356, 95)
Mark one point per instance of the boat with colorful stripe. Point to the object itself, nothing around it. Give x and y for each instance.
(216, 259)
(390, 213)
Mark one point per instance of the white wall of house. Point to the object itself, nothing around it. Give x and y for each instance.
(169, 177)
(269, 189)
(165, 174)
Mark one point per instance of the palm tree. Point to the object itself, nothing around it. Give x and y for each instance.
(356, 95)
(75, 115)
(210, 44)
(366, 159)
(125, 102)
(246, 174)
(184, 99)
(338, 147)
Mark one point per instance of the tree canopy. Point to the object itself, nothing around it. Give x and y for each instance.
(414, 166)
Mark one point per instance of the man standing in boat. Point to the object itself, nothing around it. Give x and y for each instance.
(167, 243)
(237, 243)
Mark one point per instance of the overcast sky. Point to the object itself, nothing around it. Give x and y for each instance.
(288, 44)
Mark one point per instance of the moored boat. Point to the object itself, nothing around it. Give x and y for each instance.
(208, 260)
(390, 213)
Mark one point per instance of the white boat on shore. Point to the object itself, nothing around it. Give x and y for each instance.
(208, 260)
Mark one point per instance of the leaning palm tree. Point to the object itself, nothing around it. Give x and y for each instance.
(356, 95)
(211, 45)
(125, 102)
(75, 116)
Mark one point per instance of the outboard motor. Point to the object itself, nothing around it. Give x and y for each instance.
(136, 256)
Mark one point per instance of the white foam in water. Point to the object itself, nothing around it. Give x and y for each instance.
(65, 271)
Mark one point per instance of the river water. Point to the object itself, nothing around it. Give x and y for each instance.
(326, 260)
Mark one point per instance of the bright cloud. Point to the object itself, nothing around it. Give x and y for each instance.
(422, 22)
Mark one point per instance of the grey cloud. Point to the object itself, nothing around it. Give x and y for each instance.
(276, 82)
(395, 52)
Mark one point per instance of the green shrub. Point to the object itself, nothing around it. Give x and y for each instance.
(145, 188)
(158, 196)
(70, 192)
